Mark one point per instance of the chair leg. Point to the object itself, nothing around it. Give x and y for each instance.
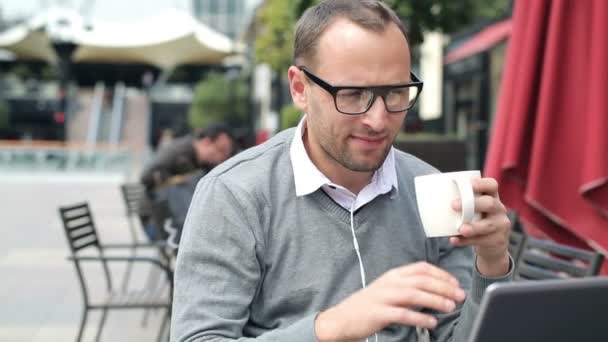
(127, 276)
(151, 282)
(165, 325)
(102, 321)
(144, 319)
(125, 281)
(83, 322)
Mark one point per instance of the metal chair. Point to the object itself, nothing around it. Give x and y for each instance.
(517, 243)
(81, 234)
(517, 238)
(544, 259)
(132, 193)
(516, 224)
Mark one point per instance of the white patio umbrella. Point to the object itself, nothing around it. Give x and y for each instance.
(166, 40)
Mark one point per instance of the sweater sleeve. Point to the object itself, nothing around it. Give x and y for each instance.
(460, 261)
(219, 271)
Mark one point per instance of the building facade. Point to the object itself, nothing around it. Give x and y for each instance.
(229, 17)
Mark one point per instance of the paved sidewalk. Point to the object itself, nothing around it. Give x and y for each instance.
(39, 293)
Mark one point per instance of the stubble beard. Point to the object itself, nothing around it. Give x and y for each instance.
(345, 157)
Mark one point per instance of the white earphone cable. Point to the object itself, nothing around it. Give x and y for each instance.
(356, 244)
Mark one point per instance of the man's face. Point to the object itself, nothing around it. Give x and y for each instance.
(213, 152)
(349, 55)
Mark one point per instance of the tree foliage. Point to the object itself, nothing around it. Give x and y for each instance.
(290, 116)
(219, 99)
(446, 16)
(274, 36)
(276, 20)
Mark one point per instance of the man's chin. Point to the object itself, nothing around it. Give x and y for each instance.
(364, 165)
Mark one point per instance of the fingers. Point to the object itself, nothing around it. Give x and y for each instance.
(485, 186)
(488, 204)
(412, 297)
(486, 242)
(486, 236)
(395, 297)
(423, 268)
(411, 317)
(482, 227)
(450, 291)
(485, 204)
(423, 285)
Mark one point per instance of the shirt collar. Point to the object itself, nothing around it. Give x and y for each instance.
(308, 178)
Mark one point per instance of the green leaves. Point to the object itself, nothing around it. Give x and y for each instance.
(217, 98)
(290, 116)
(276, 20)
(274, 38)
(447, 16)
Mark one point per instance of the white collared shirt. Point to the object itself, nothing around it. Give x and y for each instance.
(309, 179)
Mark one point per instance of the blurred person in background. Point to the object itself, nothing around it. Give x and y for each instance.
(314, 235)
(165, 139)
(180, 163)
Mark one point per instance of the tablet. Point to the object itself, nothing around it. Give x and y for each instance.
(563, 310)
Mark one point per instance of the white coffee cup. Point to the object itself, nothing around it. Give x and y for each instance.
(435, 194)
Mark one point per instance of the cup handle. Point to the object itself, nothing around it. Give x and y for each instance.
(467, 198)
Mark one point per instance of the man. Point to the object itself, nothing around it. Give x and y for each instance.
(176, 163)
(189, 153)
(315, 235)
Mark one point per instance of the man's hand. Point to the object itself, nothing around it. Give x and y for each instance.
(490, 235)
(395, 297)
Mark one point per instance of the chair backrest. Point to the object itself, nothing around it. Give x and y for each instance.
(81, 233)
(517, 243)
(132, 193)
(517, 239)
(544, 259)
(79, 226)
(516, 225)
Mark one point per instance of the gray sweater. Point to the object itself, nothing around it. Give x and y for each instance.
(257, 263)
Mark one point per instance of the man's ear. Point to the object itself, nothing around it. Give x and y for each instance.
(297, 88)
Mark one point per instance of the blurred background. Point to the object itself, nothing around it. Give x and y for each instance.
(106, 74)
(90, 90)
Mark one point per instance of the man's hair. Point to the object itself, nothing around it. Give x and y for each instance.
(214, 130)
(373, 15)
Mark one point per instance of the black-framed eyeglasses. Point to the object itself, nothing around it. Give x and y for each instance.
(353, 100)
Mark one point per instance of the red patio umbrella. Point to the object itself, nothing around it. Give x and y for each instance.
(549, 147)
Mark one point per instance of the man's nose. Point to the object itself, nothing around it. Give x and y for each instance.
(377, 115)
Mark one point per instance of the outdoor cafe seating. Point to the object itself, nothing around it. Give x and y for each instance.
(168, 208)
(534, 259)
(538, 259)
(544, 259)
(81, 234)
(86, 248)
